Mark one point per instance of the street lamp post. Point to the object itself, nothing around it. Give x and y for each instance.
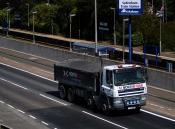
(114, 9)
(8, 14)
(160, 42)
(28, 8)
(124, 20)
(34, 12)
(71, 15)
(96, 36)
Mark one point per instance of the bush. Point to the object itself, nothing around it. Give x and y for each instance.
(168, 38)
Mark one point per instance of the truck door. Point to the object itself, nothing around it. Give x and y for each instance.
(107, 86)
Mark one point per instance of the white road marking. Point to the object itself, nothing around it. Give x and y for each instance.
(53, 99)
(32, 117)
(45, 123)
(14, 84)
(105, 120)
(29, 73)
(1, 101)
(21, 111)
(154, 114)
(10, 106)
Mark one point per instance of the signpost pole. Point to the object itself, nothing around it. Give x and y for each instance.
(130, 40)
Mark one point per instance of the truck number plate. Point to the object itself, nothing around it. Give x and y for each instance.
(132, 102)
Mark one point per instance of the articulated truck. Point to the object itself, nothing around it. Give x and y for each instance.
(104, 87)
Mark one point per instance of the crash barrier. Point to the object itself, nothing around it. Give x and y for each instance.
(156, 77)
(159, 62)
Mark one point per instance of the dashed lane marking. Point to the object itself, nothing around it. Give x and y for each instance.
(10, 106)
(104, 120)
(1, 101)
(32, 117)
(44, 123)
(21, 111)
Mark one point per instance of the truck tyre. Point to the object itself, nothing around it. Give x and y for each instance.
(91, 104)
(137, 110)
(70, 95)
(105, 107)
(62, 92)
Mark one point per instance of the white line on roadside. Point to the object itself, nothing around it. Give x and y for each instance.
(29, 73)
(21, 111)
(53, 99)
(154, 114)
(14, 84)
(44, 123)
(105, 120)
(32, 117)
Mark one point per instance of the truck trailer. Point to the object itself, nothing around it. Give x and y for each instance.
(105, 87)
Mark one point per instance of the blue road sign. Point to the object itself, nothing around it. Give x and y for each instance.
(130, 7)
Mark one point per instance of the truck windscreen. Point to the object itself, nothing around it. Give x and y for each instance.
(128, 76)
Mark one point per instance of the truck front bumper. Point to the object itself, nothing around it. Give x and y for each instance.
(128, 102)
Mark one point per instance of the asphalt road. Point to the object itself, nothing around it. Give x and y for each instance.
(38, 97)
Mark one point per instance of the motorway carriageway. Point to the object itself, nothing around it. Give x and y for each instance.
(36, 97)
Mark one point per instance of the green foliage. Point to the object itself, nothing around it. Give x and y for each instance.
(2, 15)
(137, 38)
(168, 36)
(56, 17)
(44, 17)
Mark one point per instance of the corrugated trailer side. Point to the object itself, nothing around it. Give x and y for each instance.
(77, 78)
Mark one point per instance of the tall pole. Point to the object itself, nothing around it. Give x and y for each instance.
(160, 42)
(7, 24)
(130, 40)
(70, 21)
(163, 5)
(28, 8)
(8, 14)
(124, 20)
(123, 41)
(114, 27)
(34, 26)
(70, 33)
(96, 36)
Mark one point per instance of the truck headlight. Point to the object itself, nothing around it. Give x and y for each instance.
(143, 97)
(118, 100)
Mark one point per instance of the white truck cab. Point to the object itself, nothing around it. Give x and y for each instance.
(125, 86)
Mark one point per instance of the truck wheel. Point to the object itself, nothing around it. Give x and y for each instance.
(62, 92)
(137, 110)
(70, 95)
(91, 103)
(105, 107)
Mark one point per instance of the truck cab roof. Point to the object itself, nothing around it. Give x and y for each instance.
(121, 66)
